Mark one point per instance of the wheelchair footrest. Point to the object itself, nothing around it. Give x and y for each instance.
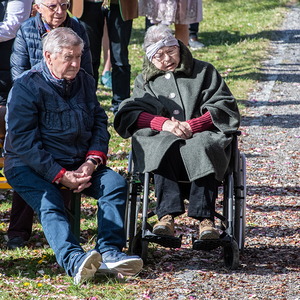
(208, 245)
(163, 240)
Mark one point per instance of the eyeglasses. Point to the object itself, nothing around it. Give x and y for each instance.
(161, 56)
(55, 7)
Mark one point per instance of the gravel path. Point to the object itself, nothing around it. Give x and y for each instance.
(271, 142)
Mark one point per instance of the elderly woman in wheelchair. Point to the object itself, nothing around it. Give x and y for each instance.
(181, 117)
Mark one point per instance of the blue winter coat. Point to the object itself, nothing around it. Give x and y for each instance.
(53, 124)
(28, 49)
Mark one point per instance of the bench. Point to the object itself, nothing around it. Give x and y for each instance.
(73, 208)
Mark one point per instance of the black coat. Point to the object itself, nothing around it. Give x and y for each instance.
(5, 51)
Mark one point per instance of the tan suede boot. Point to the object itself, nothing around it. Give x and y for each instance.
(165, 226)
(207, 230)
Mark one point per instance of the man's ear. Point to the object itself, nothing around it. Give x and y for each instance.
(48, 58)
(37, 7)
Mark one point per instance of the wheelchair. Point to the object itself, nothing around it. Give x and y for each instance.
(232, 217)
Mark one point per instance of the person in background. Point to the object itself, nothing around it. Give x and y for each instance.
(27, 48)
(193, 43)
(26, 52)
(119, 15)
(181, 117)
(106, 72)
(179, 13)
(193, 38)
(57, 135)
(12, 14)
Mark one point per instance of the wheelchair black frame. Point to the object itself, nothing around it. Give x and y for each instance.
(234, 208)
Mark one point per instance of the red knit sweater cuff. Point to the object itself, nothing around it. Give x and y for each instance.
(59, 176)
(99, 154)
(201, 123)
(147, 120)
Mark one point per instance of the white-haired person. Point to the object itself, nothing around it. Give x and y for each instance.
(181, 117)
(27, 51)
(57, 135)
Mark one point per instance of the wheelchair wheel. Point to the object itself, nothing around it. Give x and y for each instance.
(231, 255)
(240, 203)
(140, 247)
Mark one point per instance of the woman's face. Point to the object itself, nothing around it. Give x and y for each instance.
(53, 11)
(167, 58)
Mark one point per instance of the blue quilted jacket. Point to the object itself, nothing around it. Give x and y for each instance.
(28, 50)
(53, 124)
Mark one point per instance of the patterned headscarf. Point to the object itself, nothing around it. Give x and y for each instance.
(166, 41)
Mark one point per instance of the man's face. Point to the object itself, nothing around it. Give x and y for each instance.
(65, 65)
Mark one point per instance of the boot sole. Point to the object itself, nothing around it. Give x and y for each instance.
(209, 235)
(162, 230)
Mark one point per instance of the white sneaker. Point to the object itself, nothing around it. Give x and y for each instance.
(115, 262)
(88, 267)
(104, 270)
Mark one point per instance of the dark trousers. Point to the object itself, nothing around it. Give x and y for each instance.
(171, 194)
(21, 216)
(193, 30)
(5, 79)
(119, 33)
(147, 24)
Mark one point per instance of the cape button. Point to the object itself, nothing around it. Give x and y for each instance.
(168, 76)
(172, 95)
(176, 112)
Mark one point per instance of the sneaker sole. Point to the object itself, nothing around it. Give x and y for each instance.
(127, 267)
(103, 270)
(88, 268)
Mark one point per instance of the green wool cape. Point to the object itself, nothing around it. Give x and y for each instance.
(194, 88)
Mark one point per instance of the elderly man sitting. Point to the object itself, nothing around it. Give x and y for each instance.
(57, 135)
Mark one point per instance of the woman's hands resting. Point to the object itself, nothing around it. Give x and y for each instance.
(181, 129)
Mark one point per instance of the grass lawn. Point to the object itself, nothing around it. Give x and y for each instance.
(236, 35)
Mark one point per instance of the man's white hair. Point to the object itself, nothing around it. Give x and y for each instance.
(38, 2)
(59, 38)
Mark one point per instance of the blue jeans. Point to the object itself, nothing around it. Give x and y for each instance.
(108, 187)
(119, 33)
